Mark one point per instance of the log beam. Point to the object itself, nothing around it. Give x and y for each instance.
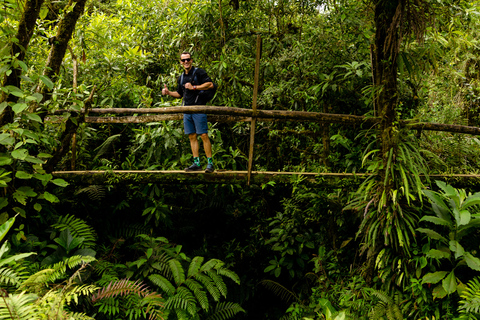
(227, 114)
(218, 177)
(324, 180)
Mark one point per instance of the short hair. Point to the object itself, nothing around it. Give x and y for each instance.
(186, 52)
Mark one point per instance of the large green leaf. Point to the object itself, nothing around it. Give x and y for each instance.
(472, 262)
(4, 228)
(434, 277)
(432, 234)
(438, 254)
(449, 283)
(456, 248)
(436, 220)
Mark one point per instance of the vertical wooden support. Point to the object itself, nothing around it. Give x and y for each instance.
(74, 151)
(326, 139)
(254, 107)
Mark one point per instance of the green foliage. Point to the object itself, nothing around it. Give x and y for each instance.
(67, 246)
(78, 229)
(136, 300)
(386, 307)
(469, 305)
(454, 220)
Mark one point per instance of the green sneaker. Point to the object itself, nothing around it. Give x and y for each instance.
(209, 168)
(193, 167)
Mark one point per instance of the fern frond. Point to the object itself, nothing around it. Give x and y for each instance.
(78, 229)
(164, 284)
(76, 291)
(18, 306)
(79, 316)
(161, 264)
(59, 269)
(179, 301)
(209, 285)
(177, 271)
(197, 290)
(195, 265)
(9, 276)
(210, 264)
(121, 288)
(217, 279)
(93, 192)
(279, 290)
(229, 274)
(225, 310)
(470, 301)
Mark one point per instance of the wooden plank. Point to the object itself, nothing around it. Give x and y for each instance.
(327, 180)
(218, 177)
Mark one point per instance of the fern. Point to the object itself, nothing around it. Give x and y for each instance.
(78, 229)
(386, 307)
(9, 276)
(93, 192)
(17, 306)
(470, 302)
(39, 280)
(225, 310)
(279, 290)
(188, 295)
(139, 300)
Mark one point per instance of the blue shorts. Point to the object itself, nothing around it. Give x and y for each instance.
(195, 123)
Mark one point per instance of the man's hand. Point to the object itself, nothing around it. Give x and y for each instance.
(189, 86)
(165, 91)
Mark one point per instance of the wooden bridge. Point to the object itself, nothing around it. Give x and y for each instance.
(229, 114)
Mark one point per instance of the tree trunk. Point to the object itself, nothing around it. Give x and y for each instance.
(26, 26)
(387, 14)
(60, 44)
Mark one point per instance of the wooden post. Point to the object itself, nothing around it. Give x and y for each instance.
(326, 139)
(254, 108)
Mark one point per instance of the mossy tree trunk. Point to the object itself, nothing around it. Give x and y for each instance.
(26, 26)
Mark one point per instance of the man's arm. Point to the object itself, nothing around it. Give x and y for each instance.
(203, 86)
(174, 94)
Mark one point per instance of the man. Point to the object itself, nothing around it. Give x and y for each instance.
(191, 82)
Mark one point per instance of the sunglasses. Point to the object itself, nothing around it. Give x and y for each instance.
(186, 60)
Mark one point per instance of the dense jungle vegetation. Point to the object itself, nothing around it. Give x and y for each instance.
(396, 246)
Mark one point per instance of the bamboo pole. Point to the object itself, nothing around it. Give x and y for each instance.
(254, 108)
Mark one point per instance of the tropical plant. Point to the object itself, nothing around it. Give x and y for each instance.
(454, 219)
(189, 286)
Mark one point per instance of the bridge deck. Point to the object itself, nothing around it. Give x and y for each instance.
(234, 177)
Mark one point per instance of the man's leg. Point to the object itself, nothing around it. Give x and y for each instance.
(207, 145)
(194, 144)
(189, 126)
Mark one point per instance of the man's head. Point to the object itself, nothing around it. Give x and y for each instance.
(186, 60)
